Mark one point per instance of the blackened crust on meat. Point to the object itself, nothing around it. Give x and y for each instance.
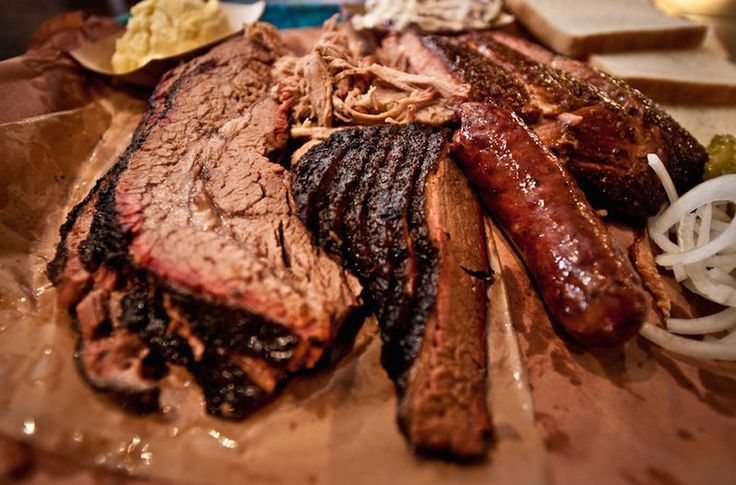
(396, 211)
(389, 247)
(106, 241)
(323, 169)
(684, 156)
(229, 392)
(144, 315)
(139, 401)
(651, 127)
(331, 208)
(355, 219)
(237, 353)
(236, 330)
(486, 80)
(417, 261)
(562, 92)
(55, 267)
(600, 128)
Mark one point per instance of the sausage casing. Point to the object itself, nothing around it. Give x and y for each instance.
(585, 280)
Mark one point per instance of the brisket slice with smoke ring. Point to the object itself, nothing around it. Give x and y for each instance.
(188, 251)
(390, 204)
(110, 361)
(600, 128)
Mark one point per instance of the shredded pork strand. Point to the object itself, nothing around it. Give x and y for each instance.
(313, 132)
(336, 85)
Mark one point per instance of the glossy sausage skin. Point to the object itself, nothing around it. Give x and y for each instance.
(585, 280)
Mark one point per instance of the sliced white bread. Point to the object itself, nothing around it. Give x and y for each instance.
(703, 75)
(580, 27)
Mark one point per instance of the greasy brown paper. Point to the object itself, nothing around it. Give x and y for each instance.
(635, 414)
(561, 414)
(44, 80)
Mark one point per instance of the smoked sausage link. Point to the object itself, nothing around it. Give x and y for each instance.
(586, 281)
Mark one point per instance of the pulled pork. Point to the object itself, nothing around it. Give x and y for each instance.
(336, 85)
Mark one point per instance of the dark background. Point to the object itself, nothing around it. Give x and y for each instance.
(20, 18)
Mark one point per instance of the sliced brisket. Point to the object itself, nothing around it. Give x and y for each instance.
(189, 250)
(395, 209)
(110, 360)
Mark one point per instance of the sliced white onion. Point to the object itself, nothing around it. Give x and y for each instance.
(720, 276)
(718, 226)
(723, 241)
(718, 322)
(690, 286)
(686, 233)
(697, 237)
(705, 214)
(720, 214)
(686, 346)
(721, 261)
(663, 241)
(680, 273)
(661, 171)
(707, 287)
(729, 338)
(713, 190)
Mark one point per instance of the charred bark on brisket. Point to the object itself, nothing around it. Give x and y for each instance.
(389, 203)
(382, 238)
(680, 148)
(599, 127)
(135, 319)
